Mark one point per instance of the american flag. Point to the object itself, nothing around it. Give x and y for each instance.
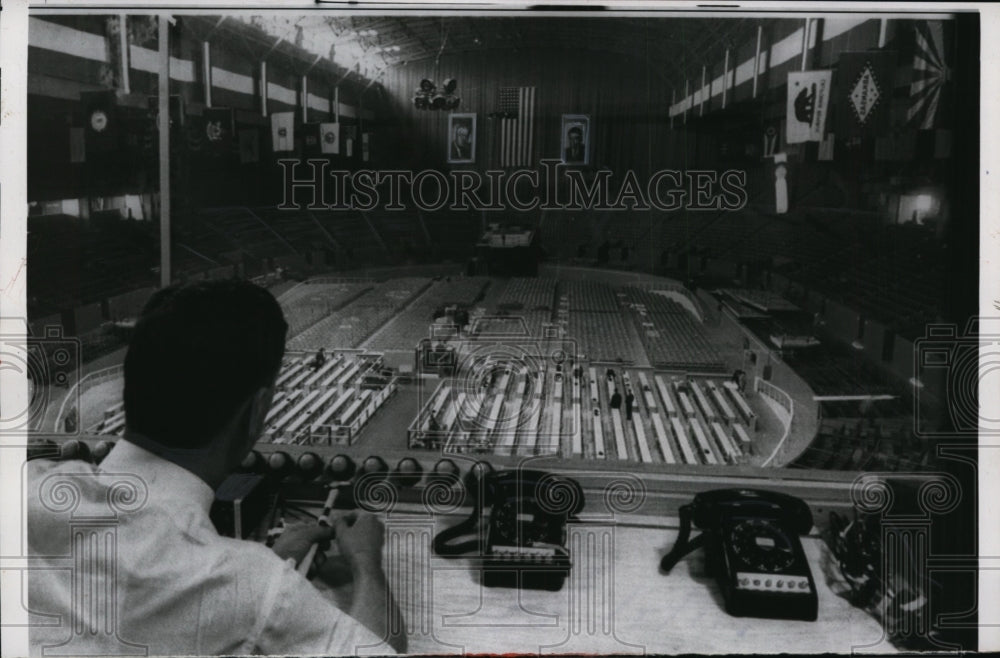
(516, 106)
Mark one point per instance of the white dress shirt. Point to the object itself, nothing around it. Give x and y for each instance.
(138, 568)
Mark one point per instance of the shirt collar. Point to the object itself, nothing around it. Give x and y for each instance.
(165, 480)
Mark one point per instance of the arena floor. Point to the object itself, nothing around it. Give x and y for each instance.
(386, 430)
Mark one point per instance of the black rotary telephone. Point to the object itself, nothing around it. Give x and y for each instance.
(752, 548)
(524, 542)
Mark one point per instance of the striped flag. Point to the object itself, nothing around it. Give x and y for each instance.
(931, 75)
(516, 107)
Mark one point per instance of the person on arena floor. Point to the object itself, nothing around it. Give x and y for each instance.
(318, 360)
(200, 374)
(616, 400)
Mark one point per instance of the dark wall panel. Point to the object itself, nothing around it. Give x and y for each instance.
(862, 37)
(874, 339)
(841, 321)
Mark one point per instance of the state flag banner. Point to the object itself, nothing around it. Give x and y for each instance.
(349, 136)
(825, 152)
(329, 134)
(101, 122)
(283, 131)
(808, 101)
(194, 134)
(177, 112)
(772, 139)
(311, 138)
(218, 126)
(864, 93)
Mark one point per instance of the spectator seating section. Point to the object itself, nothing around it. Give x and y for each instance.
(402, 233)
(352, 324)
(411, 325)
(528, 294)
(672, 337)
(864, 444)
(309, 302)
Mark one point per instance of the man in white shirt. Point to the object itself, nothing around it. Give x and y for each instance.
(125, 559)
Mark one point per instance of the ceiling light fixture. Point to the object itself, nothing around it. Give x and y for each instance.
(427, 96)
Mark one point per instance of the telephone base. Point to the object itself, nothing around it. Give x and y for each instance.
(803, 607)
(524, 577)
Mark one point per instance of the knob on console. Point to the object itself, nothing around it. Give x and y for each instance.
(309, 465)
(476, 475)
(480, 470)
(341, 468)
(445, 469)
(75, 449)
(253, 462)
(374, 464)
(279, 463)
(408, 472)
(101, 450)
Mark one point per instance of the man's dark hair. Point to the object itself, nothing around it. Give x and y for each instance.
(197, 353)
(575, 129)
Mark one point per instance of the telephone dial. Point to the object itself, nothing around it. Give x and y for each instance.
(752, 548)
(523, 544)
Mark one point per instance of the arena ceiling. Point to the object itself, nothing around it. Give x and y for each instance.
(368, 45)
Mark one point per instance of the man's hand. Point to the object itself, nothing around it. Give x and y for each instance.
(360, 536)
(296, 540)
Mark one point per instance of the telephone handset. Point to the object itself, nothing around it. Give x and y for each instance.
(752, 549)
(524, 542)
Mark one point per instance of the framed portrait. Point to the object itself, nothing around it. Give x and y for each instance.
(461, 138)
(575, 139)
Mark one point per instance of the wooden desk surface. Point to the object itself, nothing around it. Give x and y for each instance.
(615, 601)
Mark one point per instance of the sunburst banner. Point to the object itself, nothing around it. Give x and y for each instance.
(931, 85)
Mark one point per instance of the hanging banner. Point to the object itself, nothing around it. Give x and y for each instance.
(101, 123)
(330, 138)
(808, 99)
(283, 131)
(350, 134)
(194, 134)
(931, 90)
(772, 139)
(825, 152)
(780, 183)
(864, 93)
(218, 130)
(176, 107)
(311, 138)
